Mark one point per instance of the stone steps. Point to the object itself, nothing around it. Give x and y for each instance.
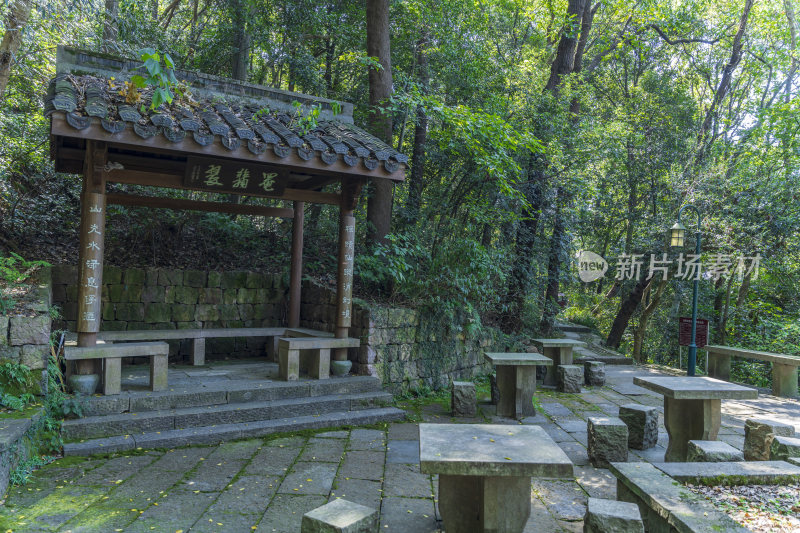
(227, 392)
(212, 415)
(226, 432)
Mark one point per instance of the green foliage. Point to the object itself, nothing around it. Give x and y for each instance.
(23, 471)
(15, 382)
(14, 272)
(161, 77)
(305, 120)
(581, 316)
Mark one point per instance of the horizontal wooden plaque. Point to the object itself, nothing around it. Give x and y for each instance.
(225, 176)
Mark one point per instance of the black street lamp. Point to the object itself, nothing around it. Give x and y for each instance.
(677, 238)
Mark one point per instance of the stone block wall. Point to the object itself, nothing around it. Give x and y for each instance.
(401, 346)
(142, 299)
(25, 338)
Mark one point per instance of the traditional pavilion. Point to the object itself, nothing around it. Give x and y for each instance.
(227, 137)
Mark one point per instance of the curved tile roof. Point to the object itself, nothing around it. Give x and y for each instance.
(93, 101)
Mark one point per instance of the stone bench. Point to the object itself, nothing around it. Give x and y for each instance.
(594, 373)
(199, 336)
(319, 367)
(784, 367)
(642, 422)
(758, 436)
(340, 516)
(112, 355)
(464, 399)
(784, 447)
(607, 440)
(712, 451)
(610, 516)
(570, 378)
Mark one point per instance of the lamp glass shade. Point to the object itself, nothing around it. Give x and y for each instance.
(677, 235)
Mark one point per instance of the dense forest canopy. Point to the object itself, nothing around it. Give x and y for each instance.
(536, 129)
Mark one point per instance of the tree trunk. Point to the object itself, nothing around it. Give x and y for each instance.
(568, 59)
(521, 276)
(723, 323)
(417, 178)
(18, 13)
(626, 310)
(379, 205)
(110, 25)
(725, 82)
(648, 308)
(241, 41)
(565, 54)
(554, 258)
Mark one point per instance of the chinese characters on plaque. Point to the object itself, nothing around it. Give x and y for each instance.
(91, 266)
(346, 293)
(232, 177)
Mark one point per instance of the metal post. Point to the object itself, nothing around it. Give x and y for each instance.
(691, 362)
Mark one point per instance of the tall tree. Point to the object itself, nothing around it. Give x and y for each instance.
(110, 25)
(18, 13)
(379, 206)
(416, 183)
(240, 54)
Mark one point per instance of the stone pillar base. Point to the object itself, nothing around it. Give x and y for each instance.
(689, 420)
(496, 504)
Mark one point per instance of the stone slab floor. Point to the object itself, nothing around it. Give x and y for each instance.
(266, 485)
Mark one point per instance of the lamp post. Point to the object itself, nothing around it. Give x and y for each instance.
(677, 238)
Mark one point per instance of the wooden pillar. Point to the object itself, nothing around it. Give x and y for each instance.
(344, 275)
(90, 254)
(296, 274)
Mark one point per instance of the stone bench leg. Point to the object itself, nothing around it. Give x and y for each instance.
(198, 352)
(289, 364)
(499, 504)
(719, 366)
(112, 375)
(158, 372)
(689, 420)
(272, 349)
(320, 367)
(516, 386)
(784, 380)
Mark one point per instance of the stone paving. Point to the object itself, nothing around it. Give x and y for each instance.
(267, 485)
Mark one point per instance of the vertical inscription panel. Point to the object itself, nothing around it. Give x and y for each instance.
(344, 289)
(91, 262)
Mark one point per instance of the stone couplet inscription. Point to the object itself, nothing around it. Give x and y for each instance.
(91, 263)
(232, 177)
(344, 290)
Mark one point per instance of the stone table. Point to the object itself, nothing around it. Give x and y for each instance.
(559, 351)
(485, 472)
(692, 408)
(516, 381)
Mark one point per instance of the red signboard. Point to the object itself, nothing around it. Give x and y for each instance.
(685, 332)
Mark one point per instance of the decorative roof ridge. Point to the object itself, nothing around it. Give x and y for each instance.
(80, 62)
(101, 103)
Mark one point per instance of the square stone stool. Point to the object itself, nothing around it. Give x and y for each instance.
(758, 435)
(712, 451)
(594, 373)
(570, 378)
(608, 440)
(609, 516)
(642, 422)
(340, 516)
(784, 447)
(463, 399)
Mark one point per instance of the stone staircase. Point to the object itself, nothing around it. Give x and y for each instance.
(234, 409)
